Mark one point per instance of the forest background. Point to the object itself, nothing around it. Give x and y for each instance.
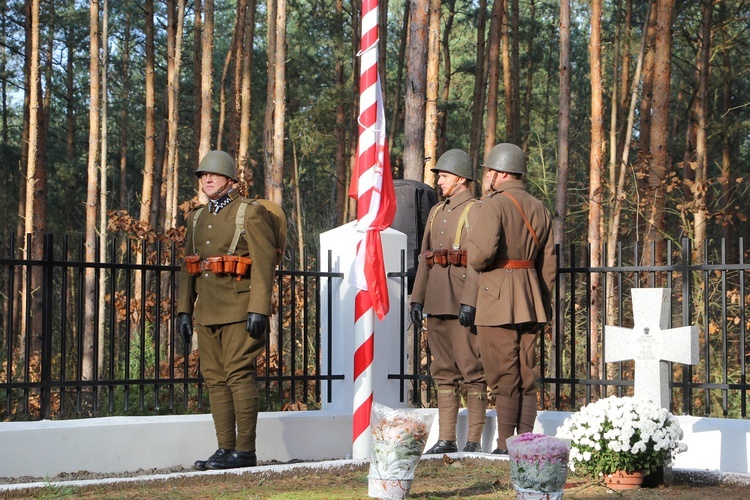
(633, 114)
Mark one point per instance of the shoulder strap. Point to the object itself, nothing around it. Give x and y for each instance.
(239, 226)
(525, 219)
(196, 214)
(462, 221)
(434, 214)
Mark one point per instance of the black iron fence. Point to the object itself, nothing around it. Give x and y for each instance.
(712, 295)
(69, 353)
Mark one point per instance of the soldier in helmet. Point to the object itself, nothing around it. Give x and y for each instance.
(445, 290)
(512, 249)
(230, 305)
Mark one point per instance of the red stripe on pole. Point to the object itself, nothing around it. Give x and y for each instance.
(361, 418)
(363, 356)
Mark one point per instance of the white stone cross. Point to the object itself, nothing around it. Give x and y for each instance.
(651, 344)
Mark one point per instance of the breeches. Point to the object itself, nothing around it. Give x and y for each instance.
(509, 359)
(455, 352)
(227, 354)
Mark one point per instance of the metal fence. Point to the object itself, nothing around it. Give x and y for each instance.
(64, 354)
(711, 295)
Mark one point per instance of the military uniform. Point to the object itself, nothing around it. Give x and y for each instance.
(220, 305)
(516, 276)
(454, 348)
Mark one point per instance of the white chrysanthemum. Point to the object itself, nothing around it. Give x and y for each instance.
(621, 425)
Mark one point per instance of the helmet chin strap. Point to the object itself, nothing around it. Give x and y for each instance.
(224, 190)
(450, 189)
(492, 189)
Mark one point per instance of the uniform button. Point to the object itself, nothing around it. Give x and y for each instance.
(445, 220)
(210, 226)
(442, 232)
(206, 275)
(440, 245)
(486, 288)
(208, 242)
(450, 209)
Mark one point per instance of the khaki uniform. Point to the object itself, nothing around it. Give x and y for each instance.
(442, 290)
(220, 305)
(513, 299)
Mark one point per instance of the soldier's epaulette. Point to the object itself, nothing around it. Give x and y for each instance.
(197, 207)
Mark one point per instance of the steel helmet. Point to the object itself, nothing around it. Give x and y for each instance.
(217, 162)
(506, 157)
(456, 162)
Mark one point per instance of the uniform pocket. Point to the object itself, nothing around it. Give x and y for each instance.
(458, 273)
(490, 287)
(241, 285)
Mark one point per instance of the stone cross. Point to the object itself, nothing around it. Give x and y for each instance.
(651, 344)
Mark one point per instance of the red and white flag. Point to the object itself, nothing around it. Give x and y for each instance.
(376, 201)
(372, 186)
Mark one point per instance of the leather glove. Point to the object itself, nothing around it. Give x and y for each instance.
(415, 313)
(256, 325)
(185, 327)
(466, 315)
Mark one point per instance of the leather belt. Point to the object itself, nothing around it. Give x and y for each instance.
(514, 264)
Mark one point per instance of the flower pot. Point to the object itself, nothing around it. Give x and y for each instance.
(389, 489)
(621, 480)
(524, 494)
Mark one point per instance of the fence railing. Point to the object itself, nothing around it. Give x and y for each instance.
(66, 354)
(711, 295)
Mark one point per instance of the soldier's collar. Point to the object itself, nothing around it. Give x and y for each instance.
(214, 206)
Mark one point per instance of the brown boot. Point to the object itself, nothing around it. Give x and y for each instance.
(528, 414)
(507, 418)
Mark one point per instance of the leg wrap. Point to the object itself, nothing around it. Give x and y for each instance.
(528, 414)
(222, 411)
(507, 418)
(476, 401)
(246, 411)
(448, 404)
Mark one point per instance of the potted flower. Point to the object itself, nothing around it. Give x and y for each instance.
(619, 436)
(397, 442)
(538, 465)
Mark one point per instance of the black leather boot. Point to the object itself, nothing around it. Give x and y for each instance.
(234, 460)
(499, 451)
(442, 446)
(472, 447)
(220, 453)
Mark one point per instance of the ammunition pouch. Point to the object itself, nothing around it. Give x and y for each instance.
(193, 265)
(445, 258)
(429, 258)
(220, 265)
(441, 257)
(457, 258)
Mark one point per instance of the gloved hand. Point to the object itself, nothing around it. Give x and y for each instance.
(415, 313)
(185, 327)
(466, 315)
(256, 325)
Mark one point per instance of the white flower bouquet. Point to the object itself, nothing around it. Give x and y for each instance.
(621, 434)
(397, 442)
(538, 463)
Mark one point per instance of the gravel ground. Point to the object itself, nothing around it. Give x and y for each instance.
(86, 475)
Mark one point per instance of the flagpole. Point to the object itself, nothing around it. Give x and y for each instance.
(367, 159)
